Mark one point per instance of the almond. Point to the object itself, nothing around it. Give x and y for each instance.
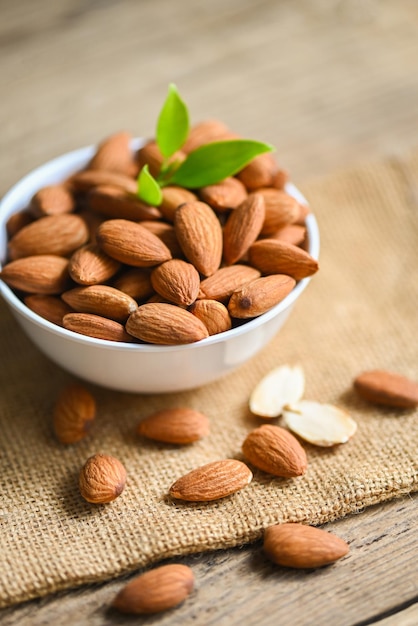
(101, 300)
(278, 388)
(167, 234)
(173, 197)
(280, 179)
(275, 451)
(53, 234)
(52, 200)
(165, 324)
(88, 179)
(102, 479)
(212, 481)
(206, 132)
(242, 228)
(213, 314)
(43, 274)
(259, 172)
(115, 202)
(157, 590)
(89, 265)
(93, 221)
(223, 196)
(199, 233)
(136, 282)
(95, 326)
(272, 256)
(387, 388)
(225, 281)
(320, 424)
(177, 425)
(51, 308)
(301, 546)
(281, 209)
(17, 221)
(292, 233)
(150, 155)
(260, 295)
(132, 244)
(176, 281)
(114, 154)
(74, 412)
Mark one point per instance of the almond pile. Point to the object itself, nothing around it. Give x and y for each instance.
(89, 255)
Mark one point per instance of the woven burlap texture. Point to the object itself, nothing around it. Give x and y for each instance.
(359, 312)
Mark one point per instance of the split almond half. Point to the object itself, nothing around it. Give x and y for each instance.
(321, 424)
(280, 387)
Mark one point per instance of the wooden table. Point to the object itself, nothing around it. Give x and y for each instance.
(330, 84)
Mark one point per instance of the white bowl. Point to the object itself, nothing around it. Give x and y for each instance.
(138, 368)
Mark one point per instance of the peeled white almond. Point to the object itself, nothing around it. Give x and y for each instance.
(320, 424)
(282, 386)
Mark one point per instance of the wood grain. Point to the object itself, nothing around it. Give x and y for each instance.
(329, 83)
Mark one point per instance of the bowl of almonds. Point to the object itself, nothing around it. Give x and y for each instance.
(156, 265)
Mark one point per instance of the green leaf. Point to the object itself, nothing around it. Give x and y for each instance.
(172, 124)
(215, 161)
(148, 189)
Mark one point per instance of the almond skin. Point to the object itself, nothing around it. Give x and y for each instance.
(226, 195)
(132, 244)
(206, 132)
(89, 265)
(275, 451)
(74, 412)
(243, 227)
(180, 425)
(157, 590)
(259, 172)
(95, 326)
(114, 154)
(165, 324)
(102, 479)
(226, 280)
(173, 196)
(44, 274)
(213, 481)
(116, 203)
(213, 314)
(281, 209)
(52, 200)
(387, 388)
(176, 281)
(167, 234)
(199, 234)
(136, 282)
(51, 308)
(301, 546)
(17, 221)
(101, 300)
(53, 234)
(88, 179)
(272, 256)
(260, 295)
(292, 233)
(150, 155)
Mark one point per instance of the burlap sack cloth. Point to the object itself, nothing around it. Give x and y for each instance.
(359, 312)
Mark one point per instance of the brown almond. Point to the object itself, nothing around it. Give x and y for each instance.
(95, 326)
(167, 234)
(132, 244)
(206, 132)
(159, 589)
(114, 154)
(44, 274)
(292, 233)
(260, 295)
(93, 221)
(259, 172)
(226, 280)
(301, 546)
(177, 281)
(53, 234)
(199, 234)
(88, 179)
(74, 412)
(173, 197)
(213, 314)
(115, 202)
(180, 425)
(165, 324)
(52, 200)
(102, 479)
(275, 451)
(243, 227)
(101, 300)
(387, 388)
(151, 155)
(272, 256)
(51, 308)
(281, 209)
(89, 265)
(280, 179)
(223, 196)
(212, 481)
(136, 282)
(17, 221)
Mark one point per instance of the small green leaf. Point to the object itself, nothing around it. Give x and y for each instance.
(215, 161)
(148, 189)
(172, 124)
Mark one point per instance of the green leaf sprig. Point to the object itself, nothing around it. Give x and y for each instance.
(207, 165)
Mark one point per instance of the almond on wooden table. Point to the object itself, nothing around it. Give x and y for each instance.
(43, 274)
(212, 481)
(159, 589)
(387, 388)
(101, 300)
(301, 546)
(165, 324)
(102, 478)
(272, 256)
(74, 412)
(260, 295)
(179, 425)
(95, 326)
(275, 451)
